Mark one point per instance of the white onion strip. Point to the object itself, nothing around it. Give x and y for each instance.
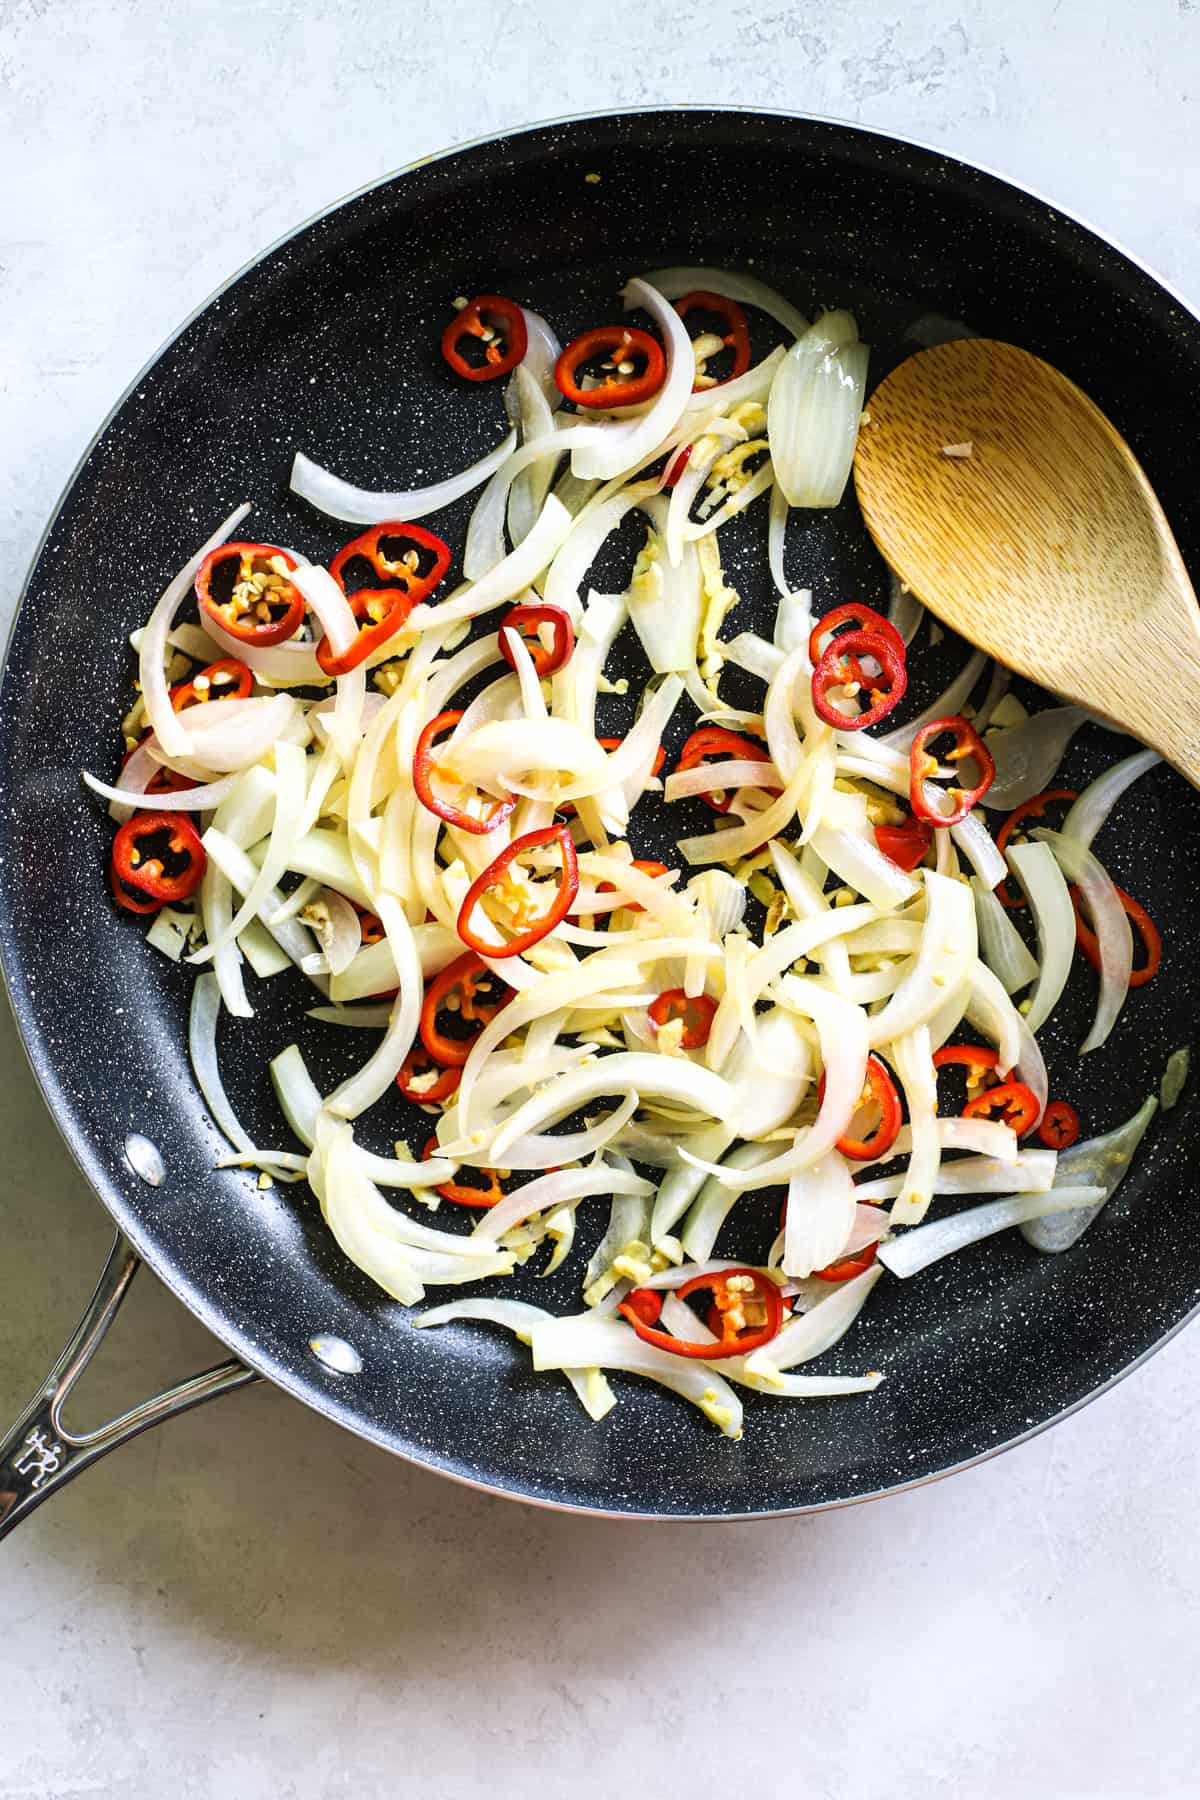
(376, 1076)
(1110, 923)
(361, 506)
(165, 722)
(916, 1250)
(1046, 890)
(203, 1017)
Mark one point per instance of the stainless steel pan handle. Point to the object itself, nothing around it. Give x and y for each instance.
(39, 1455)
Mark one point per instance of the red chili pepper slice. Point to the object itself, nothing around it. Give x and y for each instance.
(1147, 930)
(1059, 1128)
(859, 618)
(676, 466)
(840, 667)
(748, 1303)
(712, 742)
(978, 1059)
(524, 620)
(968, 745)
(424, 769)
(906, 845)
(461, 1193)
(847, 1267)
(414, 1083)
(468, 991)
(1011, 1102)
(1030, 809)
(497, 882)
(158, 856)
(407, 563)
(735, 336)
(622, 365)
(646, 1303)
(245, 588)
(494, 330)
(878, 1090)
(697, 1013)
(228, 679)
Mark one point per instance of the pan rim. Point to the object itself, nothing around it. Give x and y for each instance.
(84, 1152)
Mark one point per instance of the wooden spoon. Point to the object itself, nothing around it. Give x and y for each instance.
(1017, 513)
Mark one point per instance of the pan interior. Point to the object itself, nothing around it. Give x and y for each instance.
(330, 344)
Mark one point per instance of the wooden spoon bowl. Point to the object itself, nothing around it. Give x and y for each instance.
(1015, 510)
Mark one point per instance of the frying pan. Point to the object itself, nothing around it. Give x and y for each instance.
(329, 342)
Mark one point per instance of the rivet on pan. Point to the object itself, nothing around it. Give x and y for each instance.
(144, 1159)
(336, 1354)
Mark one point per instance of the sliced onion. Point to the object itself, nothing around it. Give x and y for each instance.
(665, 601)
(202, 798)
(820, 1215)
(602, 451)
(1111, 924)
(814, 410)
(338, 930)
(754, 385)
(872, 760)
(667, 1077)
(506, 581)
(300, 1101)
(379, 1239)
(360, 506)
(753, 653)
(1027, 755)
(1102, 1161)
(776, 543)
(816, 1331)
(542, 353)
(997, 687)
(747, 290)
(1040, 876)
(1033, 1170)
(904, 611)
(860, 863)
(606, 1344)
(560, 1187)
(913, 1057)
(1093, 806)
(916, 1250)
(982, 1137)
(710, 1209)
(582, 545)
(290, 664)
(1000, 943)
(535, 1150)
(628, 1223)
(535, 415)
(168, 725)
(944, 961)
(203, 1017)
(376, 1076)
(338, 623)
(591, 1389)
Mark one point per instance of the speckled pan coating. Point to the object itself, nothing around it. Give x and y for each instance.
(329, 343)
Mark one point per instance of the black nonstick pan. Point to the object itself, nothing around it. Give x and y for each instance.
(329, 342)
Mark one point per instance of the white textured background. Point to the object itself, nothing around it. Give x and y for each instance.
(253, 1605)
